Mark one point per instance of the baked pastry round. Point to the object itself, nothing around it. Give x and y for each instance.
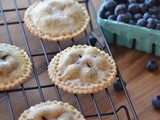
(54, 110)
(82, 69)
(15, 66)
(56, 20)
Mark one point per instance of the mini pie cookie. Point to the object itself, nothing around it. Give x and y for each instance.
(56, 20)
(15, 66)
(54, 110)
(82, 69)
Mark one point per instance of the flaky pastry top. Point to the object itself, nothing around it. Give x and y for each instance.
(82, 69)
(15, 66)
(56, 18)
(51, 111)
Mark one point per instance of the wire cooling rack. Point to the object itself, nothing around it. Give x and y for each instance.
(39, 88)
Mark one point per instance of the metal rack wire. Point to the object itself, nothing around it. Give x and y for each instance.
(101, 43)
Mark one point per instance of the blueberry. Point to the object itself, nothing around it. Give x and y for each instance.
(143, 8)
(117, 85)
(121, 1)
(158, 27)
(158, 8)
(150, 2)
(146, 16)
(157, 2)
(155, 16)
(141, 1)
(134, 8)
(129, 15)
(152, 65)
(132, 1)
(107, 14)
(112, 17)
(110, 5)
(153, 10)
(120, 9)
(92, 40)
(141, 22)
(123, 18)
(156, 102)
(132, 22)
(156, 21)
(151, 23)
(150, 19)
(137, 16)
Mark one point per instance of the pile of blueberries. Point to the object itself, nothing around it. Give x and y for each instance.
(145, 13)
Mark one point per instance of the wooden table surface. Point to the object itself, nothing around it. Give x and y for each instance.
(141, 84)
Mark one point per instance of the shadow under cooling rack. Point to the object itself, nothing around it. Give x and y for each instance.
(39, 88)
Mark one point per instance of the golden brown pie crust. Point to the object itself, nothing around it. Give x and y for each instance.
(51, 110)
(41, 33)
(82, 69)
(15, 66)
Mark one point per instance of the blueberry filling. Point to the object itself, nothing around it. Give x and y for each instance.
(43, 118)
(4, 57)
(88, 65)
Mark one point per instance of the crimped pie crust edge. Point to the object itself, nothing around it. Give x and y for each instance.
(24, 76)
(33, 28)
(66, 105)
(53, 70)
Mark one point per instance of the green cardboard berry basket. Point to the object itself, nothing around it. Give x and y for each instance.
(141, 38)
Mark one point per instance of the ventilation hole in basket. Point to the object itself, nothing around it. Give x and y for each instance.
(153, 48)
(114, 38)
(134, 43)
